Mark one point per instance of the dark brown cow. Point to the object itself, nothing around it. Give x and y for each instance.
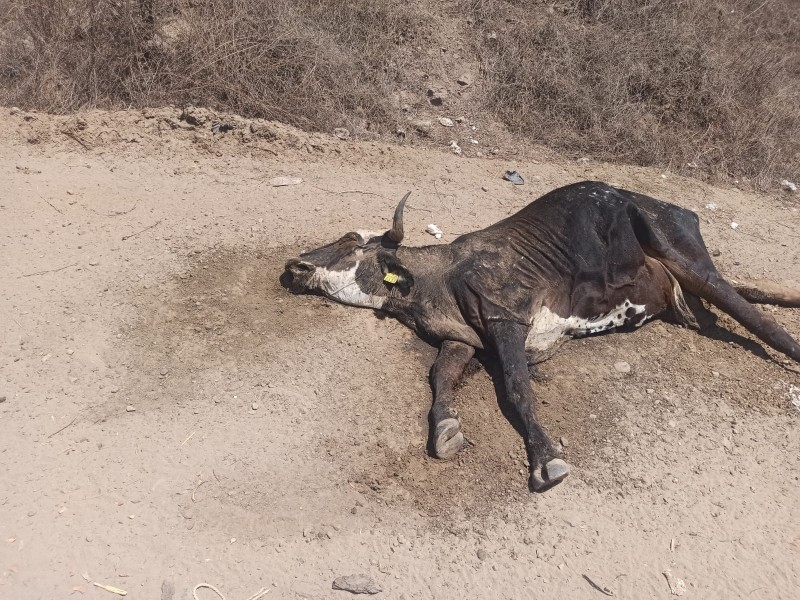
(583, 259)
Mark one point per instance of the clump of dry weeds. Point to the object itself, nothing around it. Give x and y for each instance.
(702, 86)
(676, 83)
(311, 63)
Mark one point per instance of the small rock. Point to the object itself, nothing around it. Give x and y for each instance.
(284, 181)
(734, 225)
(113, 389)
(715, 373)
(2, 399)
(254, 406)
(514, 177)
(434, 231)
(716, 252)
(167, 590)
(423, 126)
(622, 367)
(482, 554)
(356, 584)
(455, 148)
(711, 206)
(342, 133)
(130, 408)
(436, 97)
(564, 442)
(445, 122)
(465, 79)
(70, 351)
(484, 188)
(650, 391)
(492, 35)
(94, 262)
(15, 110)
(788, 186)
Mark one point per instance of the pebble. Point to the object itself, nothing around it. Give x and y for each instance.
(341, 133)
(484, 188)
(465, 79)
(422, 126)
(2, 399)
(114, 389)
(650, 391)
(130, 408)
(482, 554)
(70, 351)
(254, 406)
(357, 584)
(564, 442)
(622, 367)
(445, 122)
(167, 590)
(788, 186)
(94, 262)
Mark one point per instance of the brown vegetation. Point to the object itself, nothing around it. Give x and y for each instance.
(691, 85)
(665, 82)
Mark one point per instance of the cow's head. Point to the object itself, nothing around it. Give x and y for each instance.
(361, 268)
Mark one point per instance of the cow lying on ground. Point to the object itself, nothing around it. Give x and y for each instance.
(583, 259)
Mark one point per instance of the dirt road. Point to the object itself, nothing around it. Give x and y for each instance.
(172, 414)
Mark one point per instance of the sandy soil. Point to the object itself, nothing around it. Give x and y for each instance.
(172, 414)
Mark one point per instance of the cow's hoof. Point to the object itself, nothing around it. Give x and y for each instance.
(448, 439)
(543, 478)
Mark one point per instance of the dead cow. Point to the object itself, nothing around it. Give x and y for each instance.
(583, 259)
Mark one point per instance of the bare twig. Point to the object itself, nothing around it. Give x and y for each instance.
(69, 134)
(116, 213)
(53, 206)
(50, 270)
(127, 237)
(63, 428)
(350, 192)
(599, 588)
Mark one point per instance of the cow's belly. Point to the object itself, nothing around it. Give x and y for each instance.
(548, 329)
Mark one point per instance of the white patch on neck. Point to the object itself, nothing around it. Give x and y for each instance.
(548, 329)
(342, 286)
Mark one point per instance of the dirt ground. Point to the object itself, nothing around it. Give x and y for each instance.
(171, 414)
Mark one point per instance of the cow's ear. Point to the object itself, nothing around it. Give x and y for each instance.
(394, 273)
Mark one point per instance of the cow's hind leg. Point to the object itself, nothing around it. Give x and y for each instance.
(703, 279)
(508, 338)
(446, 371)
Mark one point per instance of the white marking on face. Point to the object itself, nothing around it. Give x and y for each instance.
(548, 329)
(343, 286)
(367, 235)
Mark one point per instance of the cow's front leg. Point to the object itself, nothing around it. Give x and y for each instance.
(508, 339)
(445, 373)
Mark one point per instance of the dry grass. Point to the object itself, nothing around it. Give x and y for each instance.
(653, 82)
(658, 82)
(312, 63)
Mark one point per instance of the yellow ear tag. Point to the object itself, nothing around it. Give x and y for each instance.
(391, 278)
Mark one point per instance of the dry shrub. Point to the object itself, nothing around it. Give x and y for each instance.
(312, 63)
(658, 82)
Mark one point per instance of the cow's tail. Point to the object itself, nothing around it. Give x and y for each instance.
(767, 292)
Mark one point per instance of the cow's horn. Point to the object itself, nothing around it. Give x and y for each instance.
(395, 234)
